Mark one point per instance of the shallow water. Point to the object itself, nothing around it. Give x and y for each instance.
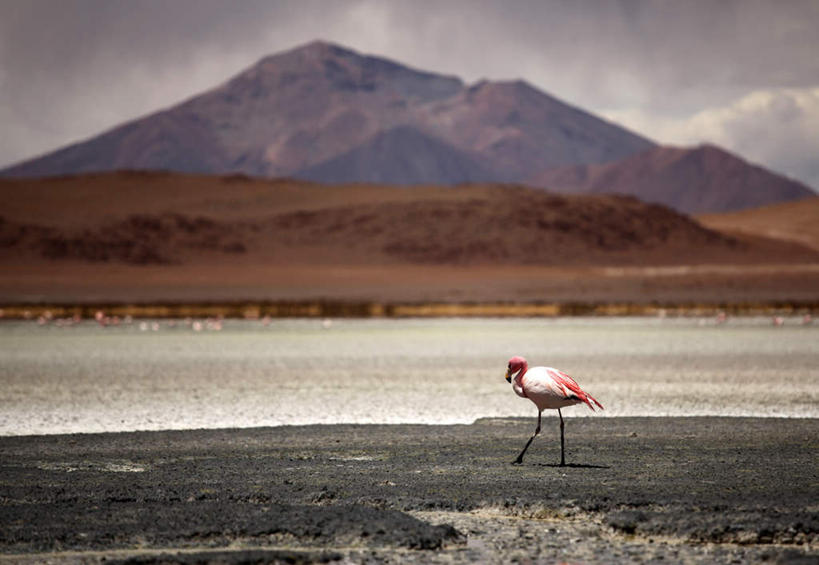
(87, 378)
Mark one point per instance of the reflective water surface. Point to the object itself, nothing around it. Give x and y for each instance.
(88, 378)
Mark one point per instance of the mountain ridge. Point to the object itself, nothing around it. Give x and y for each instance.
(293, 110)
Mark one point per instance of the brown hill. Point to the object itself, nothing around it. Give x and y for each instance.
(134, 236)
(168, 218)
(792, 221)
(694, 181)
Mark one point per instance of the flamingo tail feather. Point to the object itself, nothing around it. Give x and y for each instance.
(593, 399)
(568, 382)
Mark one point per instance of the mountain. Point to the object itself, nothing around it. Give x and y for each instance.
(691, 180)
(401, 155)
(521, 130)
(307, 111)
(324, 113)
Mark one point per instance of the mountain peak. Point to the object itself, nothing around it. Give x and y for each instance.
(316, 50)
(321, 45)
(709, 150)
(348, 70)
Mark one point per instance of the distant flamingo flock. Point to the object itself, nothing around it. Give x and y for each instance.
(213, 323)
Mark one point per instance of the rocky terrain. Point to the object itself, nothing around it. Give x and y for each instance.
(634, 490)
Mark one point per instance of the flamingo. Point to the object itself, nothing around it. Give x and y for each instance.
(547, 388)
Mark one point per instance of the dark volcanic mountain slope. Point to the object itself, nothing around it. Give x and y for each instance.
(176, 140)
(521, 130)
(402, 155)
(307, 106)
(287, 112)
(296, 109)
(698, 180)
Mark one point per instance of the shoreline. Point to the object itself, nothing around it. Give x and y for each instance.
(253, 310)
(477, 422)
(694, 489)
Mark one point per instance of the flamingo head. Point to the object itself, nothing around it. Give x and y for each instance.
(516, 364)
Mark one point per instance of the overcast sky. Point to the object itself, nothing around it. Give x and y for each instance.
(742, 74)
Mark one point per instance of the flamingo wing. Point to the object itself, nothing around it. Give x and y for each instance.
(571, 388)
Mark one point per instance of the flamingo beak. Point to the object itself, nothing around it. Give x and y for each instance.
(509, 376)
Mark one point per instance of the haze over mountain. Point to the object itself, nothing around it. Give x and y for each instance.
(324, 113)
(315, 107)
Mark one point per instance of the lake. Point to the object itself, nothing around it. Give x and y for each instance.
(88, 378)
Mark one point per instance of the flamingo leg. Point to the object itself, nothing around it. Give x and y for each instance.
(519, 460)
(562, 444)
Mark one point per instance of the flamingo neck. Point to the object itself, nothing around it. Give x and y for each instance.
(520, 373)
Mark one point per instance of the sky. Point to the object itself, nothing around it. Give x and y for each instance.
(742, 74)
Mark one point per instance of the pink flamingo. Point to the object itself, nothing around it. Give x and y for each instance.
(547, 388)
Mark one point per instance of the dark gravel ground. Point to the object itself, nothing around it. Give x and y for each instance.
(635, 490)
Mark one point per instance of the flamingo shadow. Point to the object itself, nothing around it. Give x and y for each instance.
(574, 465)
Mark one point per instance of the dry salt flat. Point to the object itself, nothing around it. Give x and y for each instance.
(161, 374)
